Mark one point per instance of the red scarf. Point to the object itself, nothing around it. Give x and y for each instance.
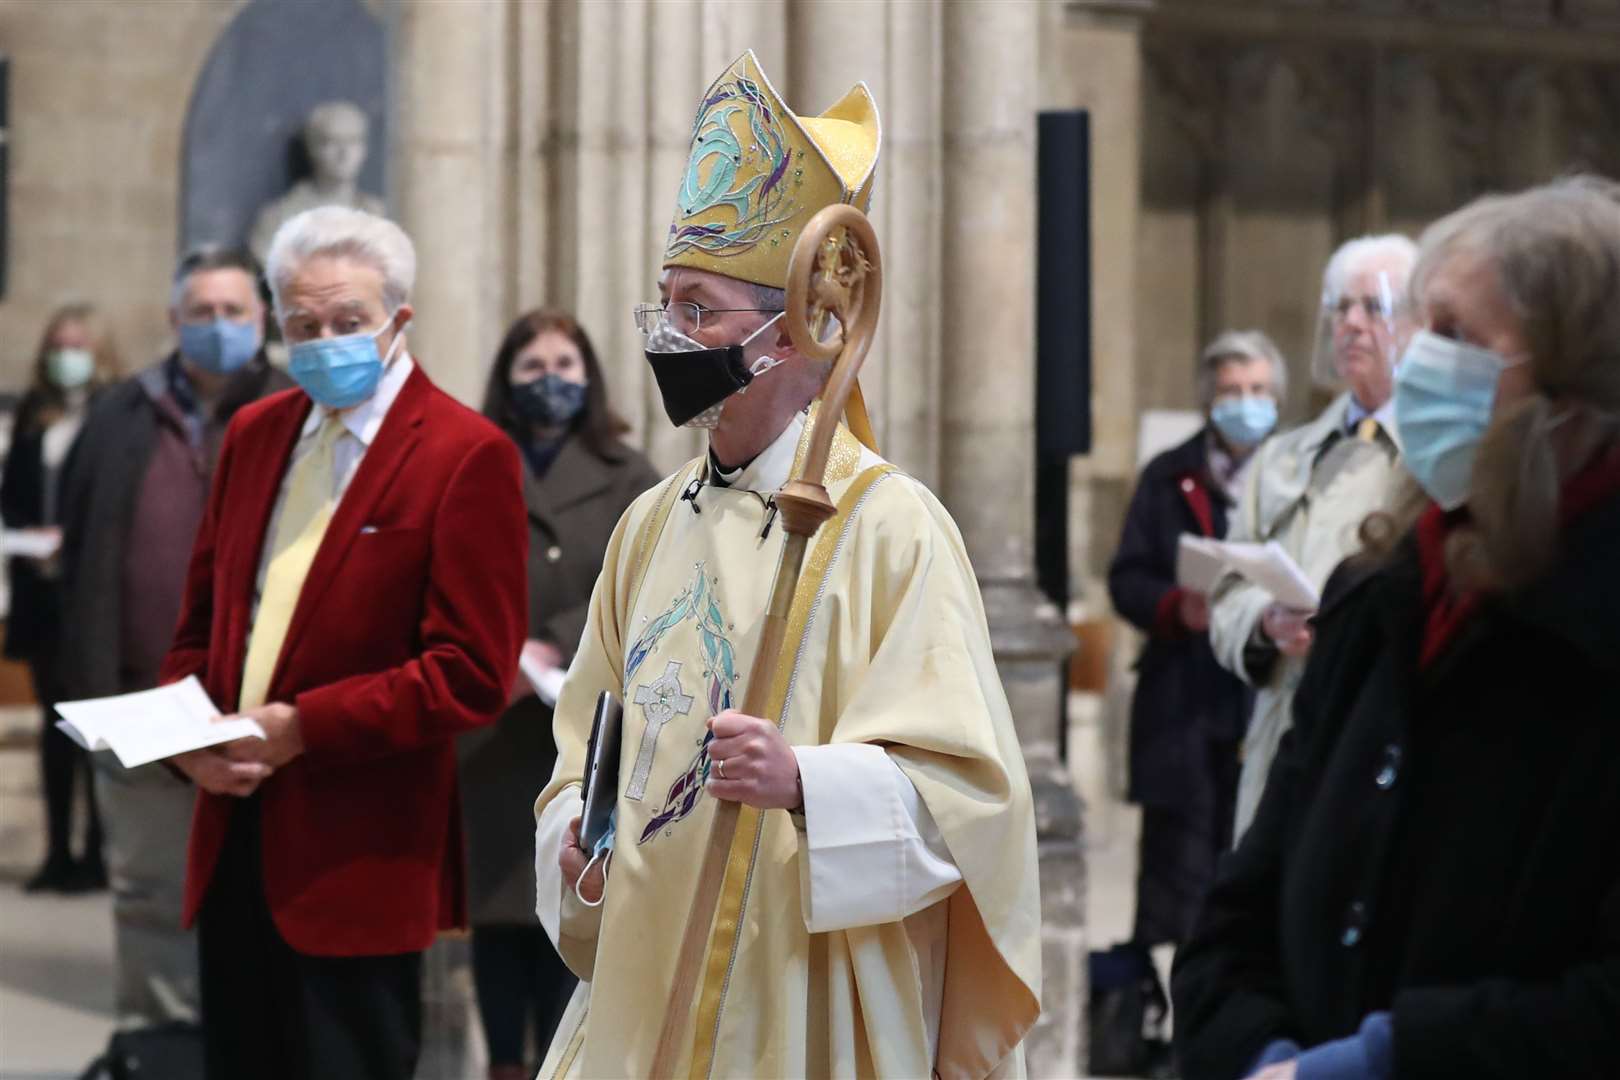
(1449, 610)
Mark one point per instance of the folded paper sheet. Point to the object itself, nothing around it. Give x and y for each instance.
(152, 724)
(1266, 565)
(547, 681)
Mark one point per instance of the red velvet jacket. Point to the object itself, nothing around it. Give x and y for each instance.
(406, 633)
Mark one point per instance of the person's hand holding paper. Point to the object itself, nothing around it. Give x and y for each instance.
(1288, 629)
(282, 740)
(150, 725)
(1201, 562)
(1269, 566)
(217, 774)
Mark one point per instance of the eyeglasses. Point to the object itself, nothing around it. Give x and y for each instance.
(1374, 306)
(683, 315)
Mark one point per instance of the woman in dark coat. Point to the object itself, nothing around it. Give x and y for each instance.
(1188, 713)
(1431, 887)
(547, 392)
(76, 358)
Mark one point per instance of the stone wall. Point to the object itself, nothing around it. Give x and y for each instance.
(98, 102)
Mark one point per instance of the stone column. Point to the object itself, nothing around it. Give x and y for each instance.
(447, 79)
(455, 192)
(987, 448)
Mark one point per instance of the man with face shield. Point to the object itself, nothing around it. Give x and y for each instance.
(1310, 488)
(879, 911)
(357, 588)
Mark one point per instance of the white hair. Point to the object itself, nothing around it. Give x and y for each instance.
(340, 232)
(1388, 247)
(1233, 345)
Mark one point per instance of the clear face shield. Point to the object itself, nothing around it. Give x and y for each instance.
(1359, 333)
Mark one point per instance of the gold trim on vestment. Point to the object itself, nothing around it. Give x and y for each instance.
(843, 457)
(576, 1041)
(745, 845)
(647, 543)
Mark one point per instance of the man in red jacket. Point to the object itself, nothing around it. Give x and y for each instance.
(357, 587)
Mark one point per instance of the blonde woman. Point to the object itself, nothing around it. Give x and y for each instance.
(76, 357)
(1431, 887)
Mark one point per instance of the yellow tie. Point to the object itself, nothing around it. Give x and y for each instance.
(304, 517)
(1367, 430)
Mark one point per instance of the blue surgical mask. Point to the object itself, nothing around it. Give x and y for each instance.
(221, 346)
(340, 372)
(603, 849)
(1444, 394)
(1244, 421)
(70, 369)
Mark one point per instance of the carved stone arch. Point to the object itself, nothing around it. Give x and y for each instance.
(1532, 143)
(1184, 121)
(1434, 142)
(1592, 104)
(1277, 154)
(1468, 100)
(275, 61)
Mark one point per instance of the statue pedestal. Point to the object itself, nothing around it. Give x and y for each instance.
(1032, 646)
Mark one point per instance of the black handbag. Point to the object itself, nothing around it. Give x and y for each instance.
(171, 1051)
(1126, 1014)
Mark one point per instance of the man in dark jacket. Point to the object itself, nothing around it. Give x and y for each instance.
(1188, 714)
(132, 497)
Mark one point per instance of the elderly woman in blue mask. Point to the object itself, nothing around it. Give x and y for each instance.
(1431, 887)
(1188, 714)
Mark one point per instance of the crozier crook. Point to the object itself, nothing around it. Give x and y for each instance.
(834, 285)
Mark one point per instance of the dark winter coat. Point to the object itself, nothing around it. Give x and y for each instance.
(1439, 841)
(572, 511)
(1183, 696)
(100, 485)
(32, 625)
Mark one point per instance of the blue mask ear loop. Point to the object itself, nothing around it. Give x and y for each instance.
(399, 337)
(602, 850)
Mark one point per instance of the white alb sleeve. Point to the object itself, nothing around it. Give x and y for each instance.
(571, 925)
(870, 852)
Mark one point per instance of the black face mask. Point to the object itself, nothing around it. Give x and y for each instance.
(695, 385)
(694, 381)
(550, 400)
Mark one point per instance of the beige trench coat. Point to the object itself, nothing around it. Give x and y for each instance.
(1308, 489)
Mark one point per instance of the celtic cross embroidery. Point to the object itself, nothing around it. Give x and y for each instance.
(661, 701)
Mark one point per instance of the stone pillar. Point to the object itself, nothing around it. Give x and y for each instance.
(455, 192)
(1092, 60)
(447, 77)
(987, 449)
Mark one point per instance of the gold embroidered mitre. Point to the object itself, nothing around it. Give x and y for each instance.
(758, 174)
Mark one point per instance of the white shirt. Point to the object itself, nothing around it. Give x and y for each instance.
(360, 426)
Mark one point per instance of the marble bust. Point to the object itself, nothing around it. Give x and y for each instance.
(335, 137)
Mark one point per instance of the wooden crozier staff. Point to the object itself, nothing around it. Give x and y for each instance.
(835, 282)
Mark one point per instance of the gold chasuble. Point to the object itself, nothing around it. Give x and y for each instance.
(887, 645)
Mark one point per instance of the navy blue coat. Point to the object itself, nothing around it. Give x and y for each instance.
(1183, 697)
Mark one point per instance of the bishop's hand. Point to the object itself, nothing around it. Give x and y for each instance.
(573, 860)
(750, 762)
